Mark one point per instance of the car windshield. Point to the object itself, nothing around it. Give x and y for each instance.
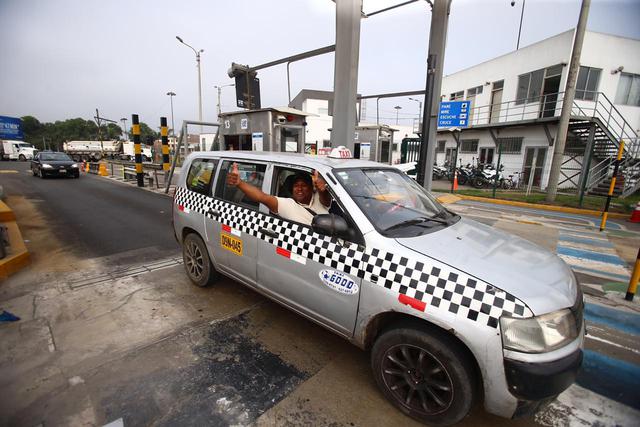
(55, 156)
(24, 145)
(391, 200)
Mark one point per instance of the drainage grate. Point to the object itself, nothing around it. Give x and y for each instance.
(126, 272)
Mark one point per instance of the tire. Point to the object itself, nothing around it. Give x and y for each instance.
(429, 369)
(462, 179)
(41, 174)
(477, 183)
(22, 158)
(76, 158)
(33, 171)
(196, 261)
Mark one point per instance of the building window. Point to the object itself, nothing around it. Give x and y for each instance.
(323, 111)
(587, 84)
(456, 95)
(628, 89)
(511, 145)
(468, 145)
(474, 91)
(440, 147)
(529, 86)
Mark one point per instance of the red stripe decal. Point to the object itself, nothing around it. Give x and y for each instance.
(283, 252)
(181, 208)
(407, 300)
(226, 228)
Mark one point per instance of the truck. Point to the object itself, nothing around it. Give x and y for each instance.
(16, 150)
(96, 150)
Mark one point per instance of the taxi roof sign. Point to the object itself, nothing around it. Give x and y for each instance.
(340, 152)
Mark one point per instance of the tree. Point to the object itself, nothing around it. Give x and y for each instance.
(147, 135)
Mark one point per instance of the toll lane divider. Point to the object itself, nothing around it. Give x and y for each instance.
(17, 256)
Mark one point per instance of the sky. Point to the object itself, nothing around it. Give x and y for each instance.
(63, 59)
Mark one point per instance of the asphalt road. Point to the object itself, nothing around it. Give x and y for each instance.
(94, 216)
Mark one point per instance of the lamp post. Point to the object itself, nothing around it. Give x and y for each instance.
(197, 52)
(219, 93)
(513, 3)
(419, 110)
(171, 95)
(398, 108)
(124, 127)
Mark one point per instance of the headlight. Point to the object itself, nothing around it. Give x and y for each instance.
(539, 334)
(46, 166)
(75, 165)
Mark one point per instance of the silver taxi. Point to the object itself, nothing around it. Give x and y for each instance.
(453, 312)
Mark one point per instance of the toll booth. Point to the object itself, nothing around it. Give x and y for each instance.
(268, 129)
(374, 142)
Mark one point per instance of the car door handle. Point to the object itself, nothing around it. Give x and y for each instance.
(269, 232)
(214, 212)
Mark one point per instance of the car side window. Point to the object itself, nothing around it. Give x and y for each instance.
(251, 173)
(200, 175)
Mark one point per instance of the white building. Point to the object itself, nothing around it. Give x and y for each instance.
(516, 103)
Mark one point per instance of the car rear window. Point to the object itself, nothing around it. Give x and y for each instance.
(200, 175)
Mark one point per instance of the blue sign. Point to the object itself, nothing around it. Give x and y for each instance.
(11, 128)
(454, 114)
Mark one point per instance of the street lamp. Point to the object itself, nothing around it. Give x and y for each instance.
(197, 52)
(513, 3)
(219, 92)
(419, 109)
(171, 95)
(124, 127)
(398, 108)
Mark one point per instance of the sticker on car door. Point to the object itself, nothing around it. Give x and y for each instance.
(339, 282)
(231, 243)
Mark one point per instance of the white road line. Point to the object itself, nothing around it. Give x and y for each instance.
(591, 337)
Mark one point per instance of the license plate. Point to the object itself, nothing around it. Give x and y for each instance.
(231, 243)
(63, 171)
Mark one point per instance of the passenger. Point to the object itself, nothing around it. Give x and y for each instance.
(310, 196)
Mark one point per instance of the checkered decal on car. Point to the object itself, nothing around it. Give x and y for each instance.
(427, 280)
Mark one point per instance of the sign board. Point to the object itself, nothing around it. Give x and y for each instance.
(244, 124)
(454, 114)
(11, 128)
(242, 97)
(257, 141)
(365, 151)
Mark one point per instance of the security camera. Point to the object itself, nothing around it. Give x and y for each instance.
(281, 119)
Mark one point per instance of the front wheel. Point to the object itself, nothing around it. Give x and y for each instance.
(196, 261)
(477, 183)
(22, 158)
(427, 375)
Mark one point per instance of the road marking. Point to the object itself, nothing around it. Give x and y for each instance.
(11, 171)
(594, 338)
(127, 272)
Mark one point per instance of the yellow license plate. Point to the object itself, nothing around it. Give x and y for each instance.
(230, 243)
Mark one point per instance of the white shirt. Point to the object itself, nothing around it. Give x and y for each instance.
(294, 211)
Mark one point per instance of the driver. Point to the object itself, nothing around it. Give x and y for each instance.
(310, 196)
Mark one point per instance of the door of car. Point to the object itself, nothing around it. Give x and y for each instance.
(233, 213)
(306, 270)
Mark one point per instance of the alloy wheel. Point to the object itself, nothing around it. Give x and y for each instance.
(417, 379)
(195, 260)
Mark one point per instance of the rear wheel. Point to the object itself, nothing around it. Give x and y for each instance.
(196, 261)
(22, 158)
(427, 375)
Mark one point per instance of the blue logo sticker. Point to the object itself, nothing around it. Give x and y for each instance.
(339, 282)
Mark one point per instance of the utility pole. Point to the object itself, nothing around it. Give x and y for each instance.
(435, 62)
(124, 127)
(345, 77)
(567, 103)
(197, 52)
(171, 95)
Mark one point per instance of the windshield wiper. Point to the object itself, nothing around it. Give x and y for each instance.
(415, 221)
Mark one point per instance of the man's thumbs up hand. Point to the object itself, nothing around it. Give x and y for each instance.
(233, 177)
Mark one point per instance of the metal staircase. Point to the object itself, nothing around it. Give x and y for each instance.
(609, 127)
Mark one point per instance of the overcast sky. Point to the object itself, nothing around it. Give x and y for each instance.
(65, 58)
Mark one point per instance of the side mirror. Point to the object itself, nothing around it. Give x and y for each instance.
(330, 225)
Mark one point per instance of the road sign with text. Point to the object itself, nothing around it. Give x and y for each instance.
(454, 114)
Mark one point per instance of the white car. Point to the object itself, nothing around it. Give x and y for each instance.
(452, 311)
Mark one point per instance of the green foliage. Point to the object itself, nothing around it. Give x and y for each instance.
(78, 129)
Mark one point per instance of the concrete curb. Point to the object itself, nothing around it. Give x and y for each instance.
(18, 256)
(542, 207)
(446, 199)
(6, 214)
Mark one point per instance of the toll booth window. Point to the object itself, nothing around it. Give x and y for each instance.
(250, 173)
(200, 175)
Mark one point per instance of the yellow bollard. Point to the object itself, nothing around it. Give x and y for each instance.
(612, 186)
(103, 170)
(86, 167)
(635, 277)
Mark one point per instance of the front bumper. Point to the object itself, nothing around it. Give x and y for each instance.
(61, 172)
(539, 381)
